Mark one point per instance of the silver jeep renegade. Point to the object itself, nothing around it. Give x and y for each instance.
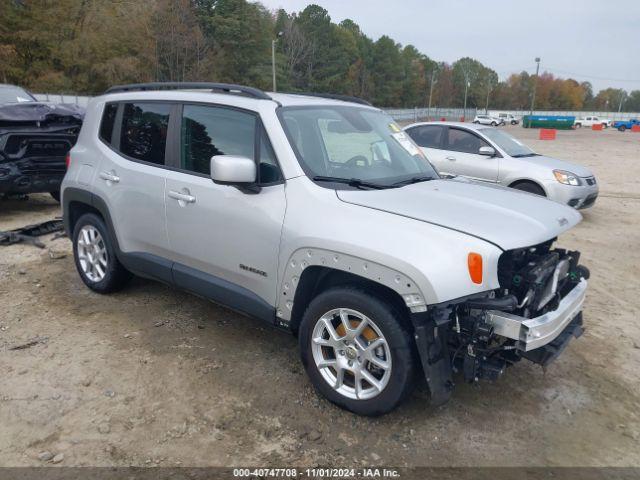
(319, 215)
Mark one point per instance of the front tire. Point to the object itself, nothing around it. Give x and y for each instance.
(493, 124)
(529, 187)
(356, 351)
(95, 257)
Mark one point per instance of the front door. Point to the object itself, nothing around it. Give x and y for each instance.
(462, 157)
(224, 240)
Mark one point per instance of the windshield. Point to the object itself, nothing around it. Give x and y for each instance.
(512, 146)
(353, 143)
(11, 94)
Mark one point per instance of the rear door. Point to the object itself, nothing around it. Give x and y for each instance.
(131, 177)
(462, 156)
(430, 140)
(224, 240)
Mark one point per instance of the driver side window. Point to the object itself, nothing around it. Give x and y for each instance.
(463, 141)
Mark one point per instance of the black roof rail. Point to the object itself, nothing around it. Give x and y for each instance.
(334, 96)
(214, 87)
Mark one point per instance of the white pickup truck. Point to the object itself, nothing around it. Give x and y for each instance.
(591, 120)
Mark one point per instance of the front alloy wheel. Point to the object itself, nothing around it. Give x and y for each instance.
(351, 354)
(357, 349)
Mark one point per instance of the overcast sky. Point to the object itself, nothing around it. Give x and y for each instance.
(593, 40)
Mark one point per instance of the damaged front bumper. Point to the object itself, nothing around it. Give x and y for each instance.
(35, 138)
(533, 333)
(533, 316)
(33, 160)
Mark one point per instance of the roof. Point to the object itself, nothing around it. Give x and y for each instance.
(212, 90)
(294, 99)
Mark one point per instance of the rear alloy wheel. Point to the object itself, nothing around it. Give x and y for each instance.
(92, 253)
(95, 257)
(356, 352)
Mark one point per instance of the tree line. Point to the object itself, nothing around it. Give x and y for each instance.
(85, 46)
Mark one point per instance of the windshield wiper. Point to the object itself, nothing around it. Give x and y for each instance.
(522, 155)
(411, 180)
(352, 182)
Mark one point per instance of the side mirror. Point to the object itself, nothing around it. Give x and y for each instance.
(488, 151)
(233, 169)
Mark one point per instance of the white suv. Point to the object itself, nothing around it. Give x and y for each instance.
(322, 217)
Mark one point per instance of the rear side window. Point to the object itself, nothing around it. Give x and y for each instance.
(108, 120)
(464, 141)
(429, 136)
(144, 131)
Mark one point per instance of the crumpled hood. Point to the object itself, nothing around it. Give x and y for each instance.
(40, 112)
(505, 217)
(555, 164)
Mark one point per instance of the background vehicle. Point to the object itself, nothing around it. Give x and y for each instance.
(623, 125)
(378, 265)
(488, 120)
(507, 118)
(589, 121)
(492, 155)
(35, 137)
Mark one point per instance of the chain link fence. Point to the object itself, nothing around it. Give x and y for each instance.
(406, 114)
(80, 100)
(435, 113)
(458, 114)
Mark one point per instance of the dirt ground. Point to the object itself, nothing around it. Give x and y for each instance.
(153, 376)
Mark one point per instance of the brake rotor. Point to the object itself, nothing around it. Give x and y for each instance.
(368, 333)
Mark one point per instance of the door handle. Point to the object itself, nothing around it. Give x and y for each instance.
(109, 177)
(451, 159)
(182, 197)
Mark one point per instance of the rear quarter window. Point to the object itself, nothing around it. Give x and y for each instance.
(107, 122)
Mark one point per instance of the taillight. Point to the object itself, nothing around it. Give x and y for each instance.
(474, 263)
(67, 160)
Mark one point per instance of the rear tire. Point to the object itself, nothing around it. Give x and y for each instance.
(622, 128)
(95, 257)
(391, 365)
(529, 187)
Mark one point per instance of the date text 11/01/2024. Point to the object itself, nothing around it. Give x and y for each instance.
(316, 473)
